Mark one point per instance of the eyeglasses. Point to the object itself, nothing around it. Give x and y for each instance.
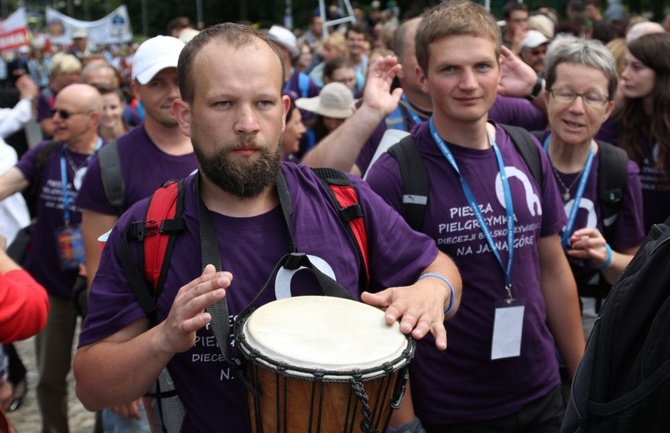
(64, 114)
(539, 51)
(346, 80)
(567, 96)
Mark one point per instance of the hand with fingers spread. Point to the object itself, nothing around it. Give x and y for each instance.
(188, 314)
(518, 78)
(424, 306)
(377, 94)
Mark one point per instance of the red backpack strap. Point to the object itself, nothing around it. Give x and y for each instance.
(165, 205)
(350, 212)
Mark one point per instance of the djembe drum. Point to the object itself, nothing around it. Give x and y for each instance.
(322, 364)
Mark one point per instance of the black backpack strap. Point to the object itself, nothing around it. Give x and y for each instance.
(528, 149)
(612, 177)
(416, 184)
(43, 155)
(345, 196)
(112, 176)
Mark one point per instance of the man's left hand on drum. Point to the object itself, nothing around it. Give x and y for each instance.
(424, 306)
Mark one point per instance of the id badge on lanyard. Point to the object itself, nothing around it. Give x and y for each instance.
(70, 247)
(507, 329)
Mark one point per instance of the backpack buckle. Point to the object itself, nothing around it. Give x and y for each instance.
(140, 229)
(293, 261)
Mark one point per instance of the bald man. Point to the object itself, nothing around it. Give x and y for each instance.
(53, 170)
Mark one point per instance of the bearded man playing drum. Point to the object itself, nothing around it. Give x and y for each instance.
(234, 113)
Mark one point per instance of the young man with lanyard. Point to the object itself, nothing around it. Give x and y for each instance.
(57, 249)
(519, 302)
(235, 120)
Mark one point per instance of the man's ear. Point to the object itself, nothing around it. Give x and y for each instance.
(286, 101)
(182, 113)
(421, 79)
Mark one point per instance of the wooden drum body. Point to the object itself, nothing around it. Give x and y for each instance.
(323, 364)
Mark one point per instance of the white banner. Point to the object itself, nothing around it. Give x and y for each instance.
(14, 31)
(112, 29)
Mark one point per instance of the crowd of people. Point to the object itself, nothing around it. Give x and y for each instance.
(506, 173)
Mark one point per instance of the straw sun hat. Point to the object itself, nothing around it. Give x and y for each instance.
(334, 101)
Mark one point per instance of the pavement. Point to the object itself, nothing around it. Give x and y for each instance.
(27, 418)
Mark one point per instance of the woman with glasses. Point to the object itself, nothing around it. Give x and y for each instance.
(644, 120)
(343, 71)
(581, 81)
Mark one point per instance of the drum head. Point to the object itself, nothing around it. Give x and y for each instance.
(324, 333)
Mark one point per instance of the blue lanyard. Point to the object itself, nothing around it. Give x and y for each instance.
(63, 179)
(415, 117)
(578, 194)
(472, 201)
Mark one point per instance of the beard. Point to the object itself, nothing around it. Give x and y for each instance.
(245, 177)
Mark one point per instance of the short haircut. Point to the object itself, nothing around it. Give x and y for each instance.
(63, 63)
(356, 28)
(236, 35)
(591, 53)
(337, 63)
(400, 40)
(512, 6)
(454, 18)
(95, 67)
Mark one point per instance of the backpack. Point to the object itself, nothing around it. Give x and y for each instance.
(158, 234)
(623, 381)
(416, 184)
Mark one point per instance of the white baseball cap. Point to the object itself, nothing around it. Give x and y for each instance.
(285, 38)
(79, 32)
(534, 39)
(154, 55)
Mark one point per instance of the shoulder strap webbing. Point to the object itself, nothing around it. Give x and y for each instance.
(414, 180)
(112, 176)
(395, 120)
(612, 176)
(349, 210)
(529, 151)
(303, 84)
(165, 209)
(41, 159)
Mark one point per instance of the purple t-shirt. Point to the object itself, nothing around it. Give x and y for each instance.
(42, 262)
(45, 102)
(655, 186)
(463, 384)
(655, 182)
(144, 168)
(517, 112)
(406, 121)
(510, 111)
(250, 248)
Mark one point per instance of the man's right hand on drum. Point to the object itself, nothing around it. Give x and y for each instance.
(188, 314)
(424, 306)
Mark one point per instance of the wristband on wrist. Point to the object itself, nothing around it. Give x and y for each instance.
(451, 288)
(536, 89)
(608, 262)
